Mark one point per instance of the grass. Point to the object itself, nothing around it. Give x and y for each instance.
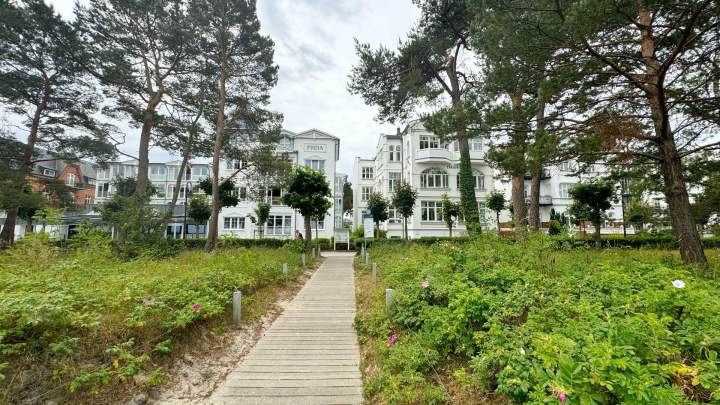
(585, 319)
(82, 326)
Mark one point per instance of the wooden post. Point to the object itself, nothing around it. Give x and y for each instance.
(389, 301)
(374, 272)
(237, 296)
(367, 258)
(313, 253)
(285, 271)
(303, 258)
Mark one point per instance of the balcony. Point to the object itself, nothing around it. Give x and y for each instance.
(434, 155)
(546, 200)
(543, 176)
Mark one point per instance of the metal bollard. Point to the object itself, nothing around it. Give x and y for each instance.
(389, 301)
(285, 271)
(303, 259)
(313, 253)
(367, 258)
(374, 272)
(237, 296)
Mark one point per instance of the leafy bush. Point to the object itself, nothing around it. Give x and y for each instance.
(84, 319)
(529, 322)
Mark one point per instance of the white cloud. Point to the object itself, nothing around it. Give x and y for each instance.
(315, 52)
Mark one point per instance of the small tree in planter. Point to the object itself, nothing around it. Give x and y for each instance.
(198, 211)
(590, 201)
(403, 199)
(378, 207)
(320, 212)
(307, 190)
(450, 212)
(496, 202)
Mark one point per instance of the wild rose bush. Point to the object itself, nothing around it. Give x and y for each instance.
(524, 322)
(83, 319)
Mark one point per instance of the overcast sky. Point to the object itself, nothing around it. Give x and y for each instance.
(314, 49)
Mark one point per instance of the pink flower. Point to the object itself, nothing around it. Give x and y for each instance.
(561, 397)
(149, 303)
(196, 281)
(392, 341)
(196, 307)
(425, 284)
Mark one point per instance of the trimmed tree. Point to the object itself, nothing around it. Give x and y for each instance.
(450, 212)
(347, 197)
(262, 213)
(198, 211)
(403, 200)
(495, 201)
(307, 191)
(590, 201)
(378, 207)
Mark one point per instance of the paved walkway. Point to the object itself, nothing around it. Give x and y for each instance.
(310, 354)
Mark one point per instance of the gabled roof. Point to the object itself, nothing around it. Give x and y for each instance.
(315, 133)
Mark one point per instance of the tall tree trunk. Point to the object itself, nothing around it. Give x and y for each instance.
(467, 182)
(597, 236)
(29, 225)
(534, 211)
(518, 173)
(497, 220)
(217, 149)
(308, 232)
(7, 235)
(405, 231)
(674, 187)
(149, 122)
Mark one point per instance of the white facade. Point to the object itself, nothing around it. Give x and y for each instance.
(417, 157)
(312, 148)
(431, 167)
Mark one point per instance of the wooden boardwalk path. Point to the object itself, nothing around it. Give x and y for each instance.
(310, 354)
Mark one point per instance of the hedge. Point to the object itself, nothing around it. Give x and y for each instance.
(325, 243)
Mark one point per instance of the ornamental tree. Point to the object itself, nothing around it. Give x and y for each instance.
(378, 207)
(198, 212)
(427, 70)
(262, 213)
(590, 201)
(496, 202)
(403, 200)
(450, 212)
(307, 191)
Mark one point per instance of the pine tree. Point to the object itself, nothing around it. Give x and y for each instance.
(238, 59)
(41, 81)
(425, 70)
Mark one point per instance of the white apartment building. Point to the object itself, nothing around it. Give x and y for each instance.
(312, 148)
(419, 158)
(431, 167)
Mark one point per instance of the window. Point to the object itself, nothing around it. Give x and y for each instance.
(88, 199)
(242, 193)
(70, 179)
(478, 180)
(159, 192)
(366, 191)
(393, 180)
(567, 166)
(102, 189)
(367, 173)
(273, 196)
(171, 190)
(234, 223)
(433, 178)
(157, 171)
(278, 225)
(429, 142)
(286, 143)
(565, 189)
(49, 172)
(200, 171)
(393, 216)
(315, 164)
(103, 174)
(394, 153)
(476, 144)
(481, 211)
(430, 210)
(320, 224)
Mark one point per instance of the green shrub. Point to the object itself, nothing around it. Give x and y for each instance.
(530, 321)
